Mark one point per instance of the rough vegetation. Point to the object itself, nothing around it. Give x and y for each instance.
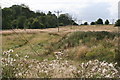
(85, 45)
(72, 55)
(58, 68)
(74, 52)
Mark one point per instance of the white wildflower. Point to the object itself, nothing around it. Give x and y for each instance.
(20, 74)
(107, 76)
(4, 53)
(104, 70)
(111, 65)
(26, 56)
(16, 55)
(11, 50)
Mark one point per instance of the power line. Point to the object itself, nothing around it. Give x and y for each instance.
(80, 21)
(113, 21)
(58, 12)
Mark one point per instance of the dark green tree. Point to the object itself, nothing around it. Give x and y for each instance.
(92, 23)
(36, 24)
(38, 13)
(28, 23)
(49, 13)
(14, 24)
(117, 22)
(86, 23)
(21, 22)
(51, 21)
(99, 21)
(107, 22)
(20, 16)
(7, 18)
(17, 11)
(65, 19)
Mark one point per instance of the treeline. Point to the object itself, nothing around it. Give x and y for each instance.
(20, 16)
(98, 22)
(117, 22)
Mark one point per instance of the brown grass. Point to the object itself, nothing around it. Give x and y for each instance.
(65, 29)
(81, 51)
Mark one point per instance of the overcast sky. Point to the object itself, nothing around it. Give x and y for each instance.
(86, 10)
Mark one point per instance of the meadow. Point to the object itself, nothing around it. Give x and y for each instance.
(74, 52)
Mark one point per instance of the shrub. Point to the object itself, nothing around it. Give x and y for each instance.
(99, 21)
(85, 23)
(92, 23)
(106, 22)
(100, 53)
(117, 23)
(77, 38)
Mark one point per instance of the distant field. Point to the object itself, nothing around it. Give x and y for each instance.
(109, 28)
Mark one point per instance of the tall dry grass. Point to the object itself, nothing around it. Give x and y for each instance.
(81, 51)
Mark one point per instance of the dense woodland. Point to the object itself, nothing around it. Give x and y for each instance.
(20, 16)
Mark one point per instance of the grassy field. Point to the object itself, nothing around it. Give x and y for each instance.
(75, 44)
(65, 29)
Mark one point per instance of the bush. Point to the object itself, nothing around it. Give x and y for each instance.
(100, 53)
(117, 23)
(37, 25)
(99, 21)
(92, 23)
(85, 23)
(106, 22)
(77, 38)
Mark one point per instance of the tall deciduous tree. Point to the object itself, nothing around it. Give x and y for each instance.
(21, 22)
(65, 19)
(99, 21)
(36, 24)
(20, 16)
